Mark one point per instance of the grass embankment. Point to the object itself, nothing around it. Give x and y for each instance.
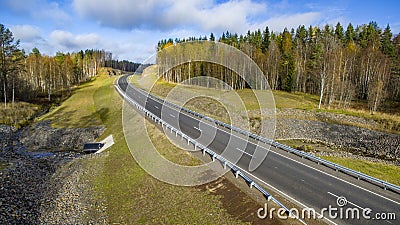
(79, 110)
(390, 173)
(133, 196)
(387, 172)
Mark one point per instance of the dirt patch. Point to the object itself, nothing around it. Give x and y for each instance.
(236, 202)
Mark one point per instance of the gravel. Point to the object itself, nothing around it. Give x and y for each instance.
(44, 137)
(73, 200)
(351, 138)
(41, 185)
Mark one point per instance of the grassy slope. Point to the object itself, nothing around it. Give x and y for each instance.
(78, 110)
(382, 171)
(132, 195)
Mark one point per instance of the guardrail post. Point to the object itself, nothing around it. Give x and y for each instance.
(213, 158)
(237, 173)
(252, 184)
(224, 165)
(204, 151)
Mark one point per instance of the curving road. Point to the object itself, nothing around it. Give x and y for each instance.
(301, 181)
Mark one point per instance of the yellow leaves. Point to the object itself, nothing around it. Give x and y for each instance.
(168, 45)
(352, 46)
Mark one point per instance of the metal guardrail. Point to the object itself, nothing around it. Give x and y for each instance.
(386, 185)
(226, 163)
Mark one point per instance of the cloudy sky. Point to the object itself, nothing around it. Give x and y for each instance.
(130, 29)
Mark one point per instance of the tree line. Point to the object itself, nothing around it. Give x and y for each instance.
(340, 65)
(26, 77)
(189, 60)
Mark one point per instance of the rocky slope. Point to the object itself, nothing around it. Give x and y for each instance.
(300, 124)
(29, 184)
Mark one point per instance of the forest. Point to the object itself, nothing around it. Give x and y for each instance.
(340, 65)
(34, 76)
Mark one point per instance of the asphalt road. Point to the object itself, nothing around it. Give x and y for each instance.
(296, 179)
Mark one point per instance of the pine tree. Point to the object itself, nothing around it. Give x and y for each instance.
(265, 40)
(386, 42)
(349, 35)
(339, 32)
(9, 58)
(212, 37)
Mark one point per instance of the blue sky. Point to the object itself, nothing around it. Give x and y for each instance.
(131, 28)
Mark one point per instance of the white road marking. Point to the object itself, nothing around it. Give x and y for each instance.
(156, 107)
(287, 197)
(197, 128)
(338, 178)
(172, 115)
(240, 150)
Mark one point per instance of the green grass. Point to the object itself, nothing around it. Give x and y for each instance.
(379, 170)
(286, 100)
(390, 173)
(133, 196)
(79, 110)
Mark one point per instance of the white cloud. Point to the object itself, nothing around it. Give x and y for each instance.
(170, 14)
(26, 33)
(289, 21)
(121, 13)
(53, 12)
(70, 42)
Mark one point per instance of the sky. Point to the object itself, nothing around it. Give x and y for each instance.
(130, 29)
